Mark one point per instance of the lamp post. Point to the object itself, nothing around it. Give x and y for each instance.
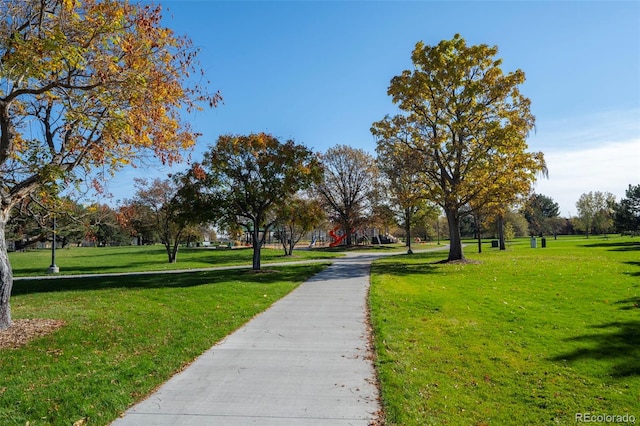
(53, 269)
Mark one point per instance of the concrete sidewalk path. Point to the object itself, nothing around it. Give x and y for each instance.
(304, 361)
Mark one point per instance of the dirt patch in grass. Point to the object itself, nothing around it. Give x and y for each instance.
(22, 331)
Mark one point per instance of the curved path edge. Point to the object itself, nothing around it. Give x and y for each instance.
(306, 360)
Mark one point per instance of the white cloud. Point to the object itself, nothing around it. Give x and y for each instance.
(593, 152)
(573, 172)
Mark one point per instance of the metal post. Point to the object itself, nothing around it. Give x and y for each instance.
(53, 269)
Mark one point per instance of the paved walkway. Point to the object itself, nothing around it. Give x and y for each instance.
(304, 361)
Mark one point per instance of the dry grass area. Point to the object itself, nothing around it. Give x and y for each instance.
(22, 331)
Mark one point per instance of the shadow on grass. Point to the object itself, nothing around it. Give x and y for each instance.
(620, 345)
(428, 262)
(133, 267)
(633, 274)
(229, 258)
(158, 264)
(403, 269)
(629, 304)
(617, 246)
(172, 280)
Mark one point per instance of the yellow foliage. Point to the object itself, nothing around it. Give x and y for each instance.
(467, 124)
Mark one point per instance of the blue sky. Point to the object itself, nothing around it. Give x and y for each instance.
(318, 72)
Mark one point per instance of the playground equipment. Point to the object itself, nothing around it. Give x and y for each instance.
(337, 239)
(361, 237)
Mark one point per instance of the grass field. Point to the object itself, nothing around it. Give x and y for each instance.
(523, 336)
(123, 336)
(93, 260)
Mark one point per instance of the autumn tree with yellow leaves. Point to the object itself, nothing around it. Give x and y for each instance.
(468, 122)
(403, 174)
(86, 87)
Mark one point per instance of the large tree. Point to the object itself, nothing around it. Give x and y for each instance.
(541, 212)
(103, 227)
(137, 221)
(296, 218)
(403, 174)
(469, 123)
(627, 212)
(86, 86)
(170, 206)
(595, 212)
(249, 176)
(348, 187)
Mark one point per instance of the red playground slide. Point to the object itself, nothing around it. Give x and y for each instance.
(336, 239)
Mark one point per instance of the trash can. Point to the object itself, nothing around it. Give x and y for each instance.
(494, 243)
(534, 242)
(543, 241)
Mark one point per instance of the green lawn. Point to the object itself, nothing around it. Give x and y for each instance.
(92, 260)
(123, 336)
(526, 336)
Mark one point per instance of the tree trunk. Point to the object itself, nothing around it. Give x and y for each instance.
(455, 242)
(500, 225)
(6, 276)
(170, 254)
(347, 239)
(285, 239)
(476, 218)
(407, 224)
(174, 251)
(167, 247)
(23, 244)
(256, 245)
